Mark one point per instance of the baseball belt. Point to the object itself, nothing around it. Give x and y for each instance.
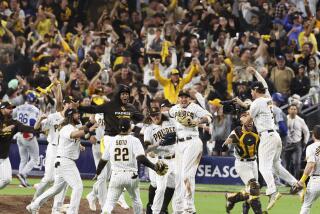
(268, 131)
(247, 159)
(184, 139)
(167, 157)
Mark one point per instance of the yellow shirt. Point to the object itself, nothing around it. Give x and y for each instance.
(171, 91)
(43, 27)
(311, 38)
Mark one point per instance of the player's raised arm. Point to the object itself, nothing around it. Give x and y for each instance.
(259, 78)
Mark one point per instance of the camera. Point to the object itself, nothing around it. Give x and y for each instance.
(230, 107)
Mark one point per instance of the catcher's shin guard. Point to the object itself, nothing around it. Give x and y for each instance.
(152, 192)
(233, 198)
(256, 206)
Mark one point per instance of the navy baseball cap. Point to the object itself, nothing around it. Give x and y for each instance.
(280, 57)
(4, 105)
(124, 125)
(184, 93)
(166, 103)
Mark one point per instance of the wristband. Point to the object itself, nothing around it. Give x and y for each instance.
(304, 178)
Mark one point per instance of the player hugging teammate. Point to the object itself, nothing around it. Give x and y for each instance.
(160, 138)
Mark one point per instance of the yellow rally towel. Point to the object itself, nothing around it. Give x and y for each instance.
(165, 50)
(118, 61)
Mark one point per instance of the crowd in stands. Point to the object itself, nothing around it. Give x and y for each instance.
(93, 46)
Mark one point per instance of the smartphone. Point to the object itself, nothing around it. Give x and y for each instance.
(187, 54)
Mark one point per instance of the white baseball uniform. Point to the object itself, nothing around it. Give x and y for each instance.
(66, 172)
(122, 151)
(188, 155)
(28, 146)
(270, 146)
(51, 125)
(313, 190)
(99, 118)
(154, 134)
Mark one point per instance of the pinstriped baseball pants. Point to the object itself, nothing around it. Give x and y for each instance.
(5, 172)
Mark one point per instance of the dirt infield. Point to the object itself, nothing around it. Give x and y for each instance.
(17, 205)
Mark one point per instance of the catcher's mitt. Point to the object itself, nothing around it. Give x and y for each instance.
(161, 168)
(168, 139)
(187, 121)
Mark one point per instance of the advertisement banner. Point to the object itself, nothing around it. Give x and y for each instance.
(212, 170)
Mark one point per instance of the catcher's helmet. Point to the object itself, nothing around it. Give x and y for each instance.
(31, 97)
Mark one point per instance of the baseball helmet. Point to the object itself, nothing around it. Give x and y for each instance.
(31, 97)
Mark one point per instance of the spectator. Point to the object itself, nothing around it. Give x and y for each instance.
(300, 83)
(281, 76)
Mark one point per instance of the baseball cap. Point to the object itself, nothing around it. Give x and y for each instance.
(301, 66)
(124, 89)
(280, 57)
(257, 85)
(165, 103)
(174, 71)
(215, 102)
(5, 104)
(184, 93)
(154, 111)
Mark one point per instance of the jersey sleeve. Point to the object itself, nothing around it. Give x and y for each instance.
(66, 131)
(200, 112)
(172, 111)
(147, 137)
(310, 155)
(106, 152)
(253, 109)
(138, 148)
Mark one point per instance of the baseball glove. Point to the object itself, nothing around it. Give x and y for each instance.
(187, 121)
(296, 188)
(161, 168)
(168, 139)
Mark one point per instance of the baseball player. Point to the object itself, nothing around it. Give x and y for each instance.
(312, 169)
(188, 116)
(51, 124)
(160, 138)
(99, 188)
(123, 151)
(270, 146)
(28, 146)
(245, 139)
(8, 128)
(66, 171)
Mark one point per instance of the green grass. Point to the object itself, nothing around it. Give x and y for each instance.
(209, 199)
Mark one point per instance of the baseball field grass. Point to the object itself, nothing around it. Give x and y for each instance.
(209, 199)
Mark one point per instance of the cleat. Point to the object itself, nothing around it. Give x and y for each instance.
(273, 199)
(122, 202)
(92, 202)
(31, 210)
(229, 204)
(22, 180)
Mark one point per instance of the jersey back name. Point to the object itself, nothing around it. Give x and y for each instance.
(122, 151)
(261, 110)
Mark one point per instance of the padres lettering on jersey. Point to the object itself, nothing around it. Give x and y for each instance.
(245, 142)
(155, 133)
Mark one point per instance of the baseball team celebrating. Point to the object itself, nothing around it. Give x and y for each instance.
(171, 148)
